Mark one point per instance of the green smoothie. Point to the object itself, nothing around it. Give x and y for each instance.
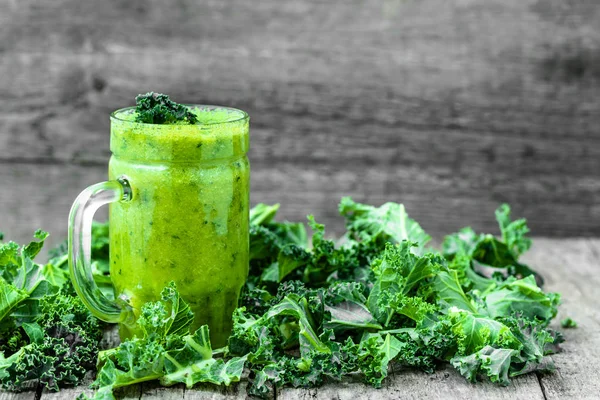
(187, 221)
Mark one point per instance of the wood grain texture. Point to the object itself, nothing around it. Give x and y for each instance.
(460, 105)
(71, 393)
(17, 396)
(153, 391)
(29, 393)
(444, 384)
(40, 196)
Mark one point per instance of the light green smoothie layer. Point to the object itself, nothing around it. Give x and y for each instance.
(220, 132)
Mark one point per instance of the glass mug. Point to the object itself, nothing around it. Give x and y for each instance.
(179, 204)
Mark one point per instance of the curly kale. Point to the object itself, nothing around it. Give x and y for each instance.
(279, 252)
(48, 335)
(63, 346)
(310, 312)
(156, 108)
(382, 298)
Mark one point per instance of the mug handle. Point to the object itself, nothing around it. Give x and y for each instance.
(80, 249)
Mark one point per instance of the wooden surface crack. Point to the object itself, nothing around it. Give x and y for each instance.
(539, 378)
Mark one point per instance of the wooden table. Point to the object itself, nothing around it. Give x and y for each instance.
(570, 267)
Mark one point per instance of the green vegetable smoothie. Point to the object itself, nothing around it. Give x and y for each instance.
(187, 220)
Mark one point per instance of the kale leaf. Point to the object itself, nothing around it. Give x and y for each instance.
(166, 350)
(490, 255)
(390, 222)
(48, 335)
(156, 108)
(383, 298)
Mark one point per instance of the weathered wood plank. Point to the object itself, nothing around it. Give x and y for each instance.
(153, 390)
(444, 384)
(70, 393)
(85, 84)
(570, 267)
(16, 396)
(41, 196)
(505, 167)
(470, 65)
(28, 393)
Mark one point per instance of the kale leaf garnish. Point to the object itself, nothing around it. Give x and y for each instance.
(157, 108)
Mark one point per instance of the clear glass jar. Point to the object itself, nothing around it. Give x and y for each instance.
(179, 212)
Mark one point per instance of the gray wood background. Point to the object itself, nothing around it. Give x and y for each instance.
(450, 107)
